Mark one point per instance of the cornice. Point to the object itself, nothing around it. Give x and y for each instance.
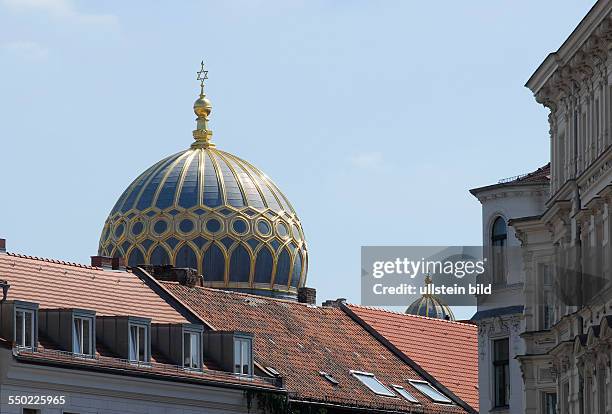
(576, 40)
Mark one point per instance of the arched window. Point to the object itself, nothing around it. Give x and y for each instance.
(263, 266)
(297, 270)
(159, 256)
(186, 257)
(240, 265)
(213, 264)
(499, 239)
(136, 258)
(282, 268)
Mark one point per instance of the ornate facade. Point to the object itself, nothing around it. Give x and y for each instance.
(567, 251)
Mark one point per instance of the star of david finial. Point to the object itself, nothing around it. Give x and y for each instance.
(202, 76)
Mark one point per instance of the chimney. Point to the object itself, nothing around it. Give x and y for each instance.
(168, 273)
(118, 263)
(2, 245)
(307, 295)
(105, 262)
(331, 303)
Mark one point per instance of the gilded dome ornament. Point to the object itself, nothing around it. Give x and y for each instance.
(209, 210)
(202, 107)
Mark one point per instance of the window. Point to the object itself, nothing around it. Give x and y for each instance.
(426, 389)
(499, 238)
(139, 349)
(24, 328)
(501, 376)
(545, 287)
(402, 391)
(242, 356)
(549, 403)
(191, 350)
(82, 342)
(370, 381)
(329, 377)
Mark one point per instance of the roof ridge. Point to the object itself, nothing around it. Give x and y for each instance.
(407, 315)
(251, 295)
(54, 261)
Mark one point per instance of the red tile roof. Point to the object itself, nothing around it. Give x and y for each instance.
(56, 284)
(447, 350)
(299, 341)
(541, 175)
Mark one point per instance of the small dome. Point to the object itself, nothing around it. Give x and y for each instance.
(430, 306)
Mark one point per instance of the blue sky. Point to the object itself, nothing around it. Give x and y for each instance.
(374, 118)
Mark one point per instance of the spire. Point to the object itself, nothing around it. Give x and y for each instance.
(202, 108)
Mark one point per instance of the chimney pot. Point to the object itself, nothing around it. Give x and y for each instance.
(307, 295)
(2, 245)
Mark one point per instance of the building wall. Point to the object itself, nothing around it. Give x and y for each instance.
(509, 201)
(88, 392)
(575, 83)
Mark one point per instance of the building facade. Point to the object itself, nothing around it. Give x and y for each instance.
(566, 250)
(500, 315)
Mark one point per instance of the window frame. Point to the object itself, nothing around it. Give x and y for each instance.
(401, 390)
(134, 351)
(496, 363)
(25, 308)
(91, 338)
(498, 245)
(238, 368)
(198, 335)
(359, 374)
(432, 390)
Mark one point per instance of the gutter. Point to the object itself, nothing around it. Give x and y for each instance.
(406, 359)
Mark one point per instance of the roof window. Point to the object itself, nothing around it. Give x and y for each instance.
(402, 391)
(370, 381)
(426, 388)
(329, 377)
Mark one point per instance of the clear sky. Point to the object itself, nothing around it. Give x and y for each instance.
(374, 118)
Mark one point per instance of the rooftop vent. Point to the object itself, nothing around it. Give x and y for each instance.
(168, 273)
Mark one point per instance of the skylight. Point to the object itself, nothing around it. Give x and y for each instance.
(370, 381)
(426, 388)
(402, 391)
(329, 377)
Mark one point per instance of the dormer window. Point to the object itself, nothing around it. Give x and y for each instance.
(139, 343)
(25, 327)
(192, 350)
(243, 356)
(82, 335)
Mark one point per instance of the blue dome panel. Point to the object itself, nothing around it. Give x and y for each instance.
(165, 197)
(189, 191)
